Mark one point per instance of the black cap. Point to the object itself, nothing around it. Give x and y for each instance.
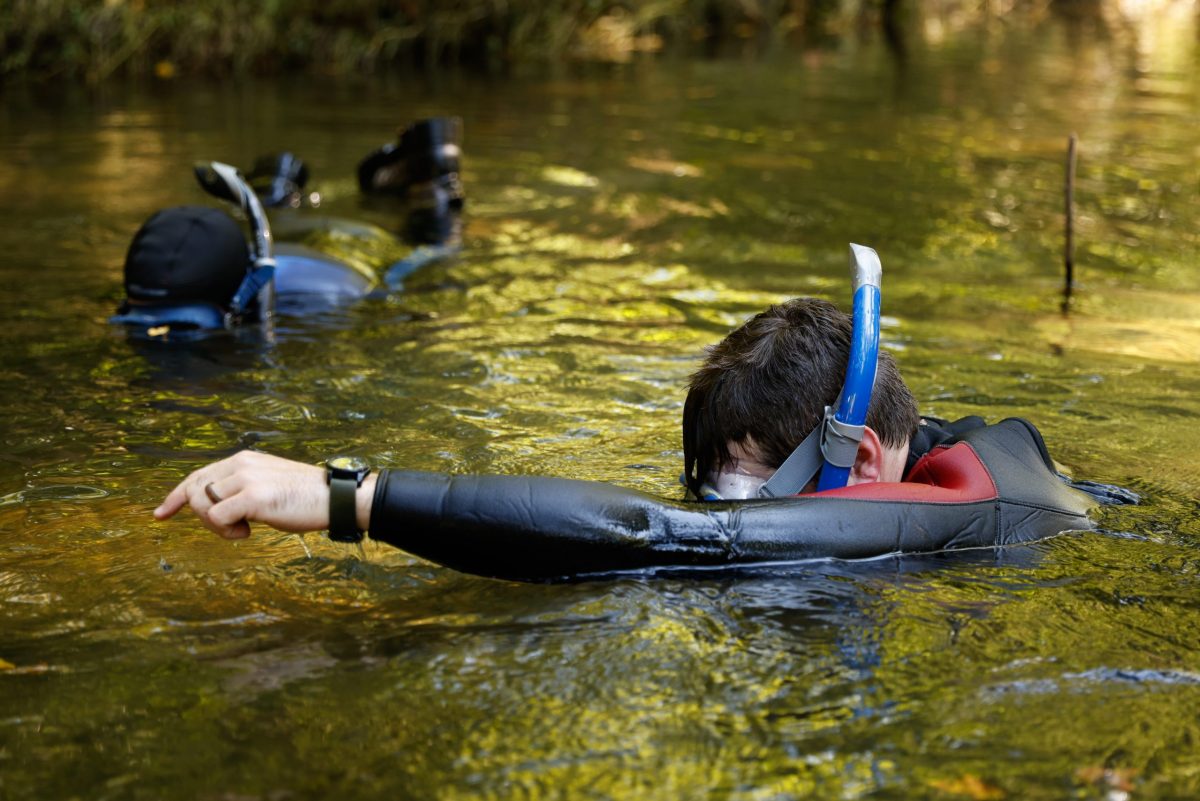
(186, 254)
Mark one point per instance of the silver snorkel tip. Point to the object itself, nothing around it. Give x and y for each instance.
(865, 266)
(224, 182)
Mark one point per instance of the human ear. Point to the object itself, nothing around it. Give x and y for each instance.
(868, 462)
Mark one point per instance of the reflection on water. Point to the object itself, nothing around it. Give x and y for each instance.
(618, 222)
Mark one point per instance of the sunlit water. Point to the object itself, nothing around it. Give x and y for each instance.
(618, 222)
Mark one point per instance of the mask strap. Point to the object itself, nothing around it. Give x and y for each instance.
(798, 469)
(832, 441)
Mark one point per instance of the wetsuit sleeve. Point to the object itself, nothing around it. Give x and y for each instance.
(537, 528)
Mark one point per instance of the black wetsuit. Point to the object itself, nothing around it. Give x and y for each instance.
(977, 486)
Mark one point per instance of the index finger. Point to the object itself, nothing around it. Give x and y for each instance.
(174, 501)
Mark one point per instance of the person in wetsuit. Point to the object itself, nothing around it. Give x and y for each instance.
(916, 485)
(190, 271)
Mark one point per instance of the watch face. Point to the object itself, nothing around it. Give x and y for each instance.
(349, 464)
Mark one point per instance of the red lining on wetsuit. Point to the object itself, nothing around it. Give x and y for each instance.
(947, 474)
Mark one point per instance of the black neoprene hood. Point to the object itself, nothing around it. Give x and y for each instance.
(186, 254)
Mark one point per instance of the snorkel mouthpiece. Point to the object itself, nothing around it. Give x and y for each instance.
(832, 446)
(844, 429)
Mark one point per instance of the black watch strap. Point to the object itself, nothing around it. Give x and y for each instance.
(345, 475)
(343, 509)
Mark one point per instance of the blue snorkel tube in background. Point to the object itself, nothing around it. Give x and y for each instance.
(832, 446)
(845, 430)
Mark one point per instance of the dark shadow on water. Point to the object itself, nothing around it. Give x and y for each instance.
(203, 359)
(815, 601)
(890, 565)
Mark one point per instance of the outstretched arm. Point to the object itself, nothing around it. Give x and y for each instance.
(541, 528)
(251, 487)
(524, 527)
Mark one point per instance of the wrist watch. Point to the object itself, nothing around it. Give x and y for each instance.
(345, 474)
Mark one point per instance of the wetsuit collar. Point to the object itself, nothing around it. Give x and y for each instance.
(204, 316)
(935, 431)
(185, 315)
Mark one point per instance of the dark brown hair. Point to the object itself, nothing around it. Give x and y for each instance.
(771, 379)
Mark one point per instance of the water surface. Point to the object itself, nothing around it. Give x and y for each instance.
(619, 220)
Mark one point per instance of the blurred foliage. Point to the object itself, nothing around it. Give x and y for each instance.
(93, 39)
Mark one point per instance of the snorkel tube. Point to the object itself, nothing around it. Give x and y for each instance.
(844, 431)
(832, 446)
(225, 182)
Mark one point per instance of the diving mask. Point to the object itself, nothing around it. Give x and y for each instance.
(731, 485)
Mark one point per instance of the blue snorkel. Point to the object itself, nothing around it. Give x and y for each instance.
(852, 405)
(832, 446)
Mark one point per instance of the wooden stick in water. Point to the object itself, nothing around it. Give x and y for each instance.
(1069, 245)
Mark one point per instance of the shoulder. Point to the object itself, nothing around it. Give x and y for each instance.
(1015, 436)
(1031, 502)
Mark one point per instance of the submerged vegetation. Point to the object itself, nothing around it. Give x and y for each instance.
(95, 39)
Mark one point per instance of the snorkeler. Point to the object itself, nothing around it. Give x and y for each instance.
(761, 397)
(189, 270)
(422, 168)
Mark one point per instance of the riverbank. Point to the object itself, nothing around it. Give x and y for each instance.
(92, 40)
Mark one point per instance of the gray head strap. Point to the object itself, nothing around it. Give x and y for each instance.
(840, 442)
(830, 441)
(797, 470)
